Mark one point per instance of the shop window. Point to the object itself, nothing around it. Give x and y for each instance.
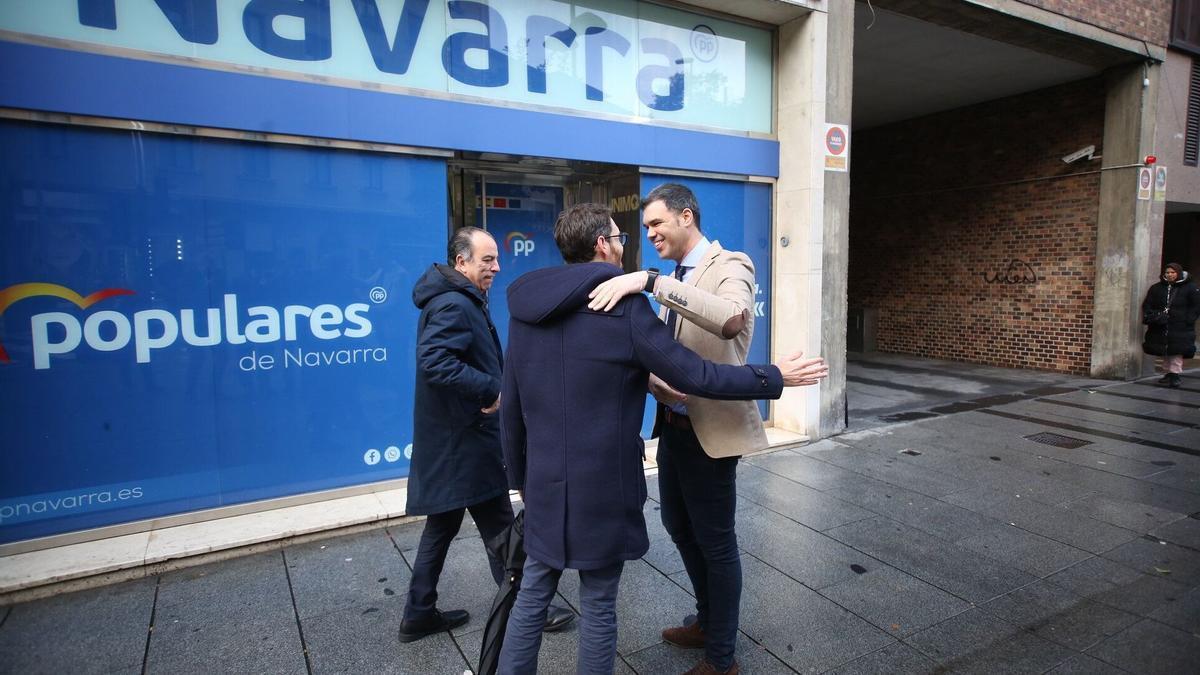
(182, 155)
(207, 416)
(1185, 26)
(322, 171)
(256, 165)
(374, 175)
(1191, 143)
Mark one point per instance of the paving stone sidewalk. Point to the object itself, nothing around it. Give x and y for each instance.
(954, 543)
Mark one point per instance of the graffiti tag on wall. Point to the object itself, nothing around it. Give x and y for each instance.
(1017, 272)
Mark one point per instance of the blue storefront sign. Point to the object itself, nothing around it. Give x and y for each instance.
(188, 323)
(619, 57)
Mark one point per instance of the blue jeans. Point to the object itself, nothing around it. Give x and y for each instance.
(597, 621)
(699, 496)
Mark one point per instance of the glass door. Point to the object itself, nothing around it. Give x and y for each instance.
(520, 214)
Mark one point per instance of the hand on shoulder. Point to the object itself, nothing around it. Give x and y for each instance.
(608, 294)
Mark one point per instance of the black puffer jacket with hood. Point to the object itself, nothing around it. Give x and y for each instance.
(1170, 311)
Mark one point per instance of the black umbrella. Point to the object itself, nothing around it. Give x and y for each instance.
(509, 549)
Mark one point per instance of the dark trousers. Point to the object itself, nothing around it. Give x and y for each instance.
(491, 517)
(699, 496)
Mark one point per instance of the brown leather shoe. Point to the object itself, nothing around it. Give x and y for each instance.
(706, 668)
(690, 636)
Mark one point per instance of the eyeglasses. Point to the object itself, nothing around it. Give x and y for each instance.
(623, 236)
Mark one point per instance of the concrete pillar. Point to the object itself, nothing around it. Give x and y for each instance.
(810, 251)
(1125, 264)
(835, 253)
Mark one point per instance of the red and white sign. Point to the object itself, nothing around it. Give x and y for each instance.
(1145, 183)
(837, 147)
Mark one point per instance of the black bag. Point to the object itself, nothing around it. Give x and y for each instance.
(509, 549)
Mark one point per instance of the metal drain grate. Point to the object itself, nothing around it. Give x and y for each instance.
(1058, 440)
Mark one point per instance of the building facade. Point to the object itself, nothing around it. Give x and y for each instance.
(216, 209)
(1178, 137)
(1011, 230)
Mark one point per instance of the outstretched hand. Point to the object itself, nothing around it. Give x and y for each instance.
(798, 371)
(608, 294)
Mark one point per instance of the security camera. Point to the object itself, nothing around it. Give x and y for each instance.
(1082, 153)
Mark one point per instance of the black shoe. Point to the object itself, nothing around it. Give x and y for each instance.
(557, 618)
(413, 630)
(1165, 379)
(1176, 380)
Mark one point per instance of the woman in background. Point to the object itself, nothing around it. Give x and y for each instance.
(1170, 311)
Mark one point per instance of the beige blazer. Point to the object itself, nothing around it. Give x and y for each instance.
(716, 320)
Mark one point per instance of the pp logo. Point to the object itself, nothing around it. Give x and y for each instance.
(519, 244)
(704, 43)
(378, 294)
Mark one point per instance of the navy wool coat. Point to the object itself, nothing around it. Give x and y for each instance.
(456, 457)
(571, 414)
(1174, 332)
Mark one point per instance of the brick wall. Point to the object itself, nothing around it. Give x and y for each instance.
(962, 259)
(1148, 20)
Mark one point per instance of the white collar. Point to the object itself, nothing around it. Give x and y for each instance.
(697, 254)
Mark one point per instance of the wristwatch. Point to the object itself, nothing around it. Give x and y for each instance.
(651, 278)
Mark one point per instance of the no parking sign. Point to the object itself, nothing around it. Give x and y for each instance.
(837, 147)
(1145, 183)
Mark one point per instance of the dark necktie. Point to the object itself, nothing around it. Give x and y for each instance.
(672, 317)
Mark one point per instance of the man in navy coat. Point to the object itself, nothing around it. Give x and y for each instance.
(574, 391)
(456, 461)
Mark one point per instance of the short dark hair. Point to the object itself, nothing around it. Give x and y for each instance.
(676, 198)
(577, 228)
(460, 243)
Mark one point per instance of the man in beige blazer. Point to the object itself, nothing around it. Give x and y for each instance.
(708, 299)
